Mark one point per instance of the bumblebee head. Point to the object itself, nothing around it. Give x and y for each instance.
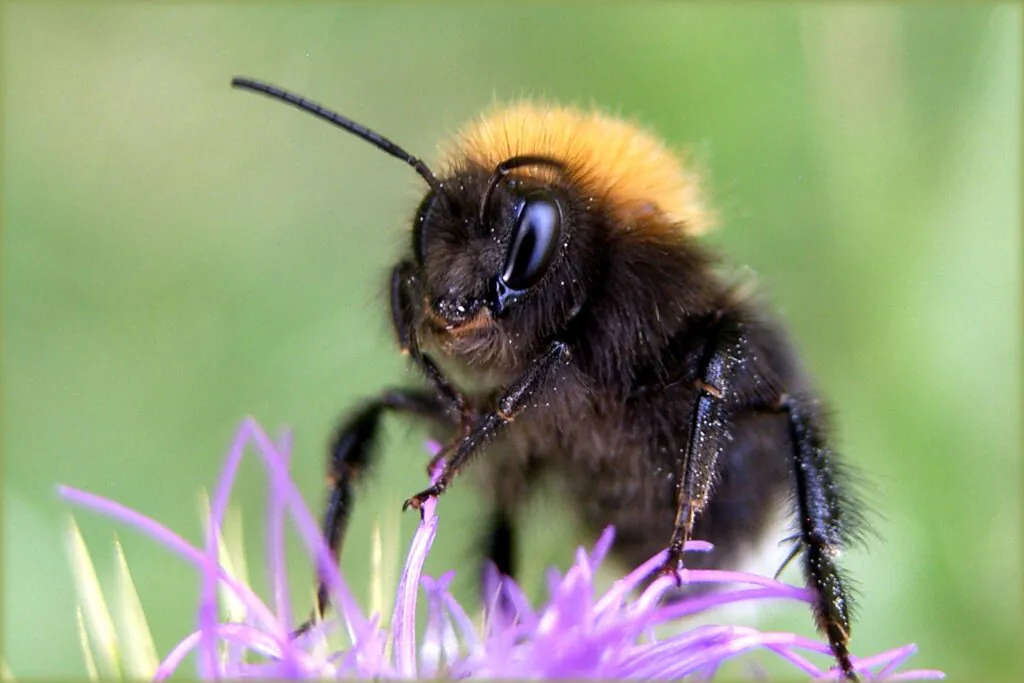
(530, 204)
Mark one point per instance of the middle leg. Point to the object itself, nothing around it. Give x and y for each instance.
(729, 382)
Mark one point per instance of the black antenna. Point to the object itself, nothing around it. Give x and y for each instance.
(359, 130)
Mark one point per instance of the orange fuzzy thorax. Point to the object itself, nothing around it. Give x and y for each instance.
(632, 172)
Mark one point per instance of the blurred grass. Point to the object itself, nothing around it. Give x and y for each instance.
(176, 255)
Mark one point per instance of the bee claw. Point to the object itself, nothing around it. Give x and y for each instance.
(417, 501)
(673, 566)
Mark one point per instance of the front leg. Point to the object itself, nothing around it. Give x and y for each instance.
(404, 295)
(538, 377)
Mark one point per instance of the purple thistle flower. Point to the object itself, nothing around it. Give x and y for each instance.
(576, 633)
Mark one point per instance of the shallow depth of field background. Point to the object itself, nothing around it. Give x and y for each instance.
(177, 255)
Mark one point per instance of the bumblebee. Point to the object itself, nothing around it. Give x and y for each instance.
(568, 324)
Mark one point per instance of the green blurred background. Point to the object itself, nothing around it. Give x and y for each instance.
(177, 255)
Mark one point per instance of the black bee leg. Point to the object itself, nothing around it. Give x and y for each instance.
(487, 425)
(500, 542)
(351, 450)
(708, 435)
(823, 529)
(733, 384)
(404, 292)
(499, 548)
(404, 288)
(351, 455)
(463, 414)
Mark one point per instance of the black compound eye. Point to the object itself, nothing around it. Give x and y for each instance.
(534, 240)
(419, 242)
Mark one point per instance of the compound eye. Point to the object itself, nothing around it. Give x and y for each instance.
(419, 226)
(534, 239)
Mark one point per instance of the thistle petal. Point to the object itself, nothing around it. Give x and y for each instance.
(575, 633)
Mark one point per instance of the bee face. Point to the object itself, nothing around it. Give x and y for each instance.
(495, 254)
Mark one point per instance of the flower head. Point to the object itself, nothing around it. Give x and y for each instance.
(578, 632)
